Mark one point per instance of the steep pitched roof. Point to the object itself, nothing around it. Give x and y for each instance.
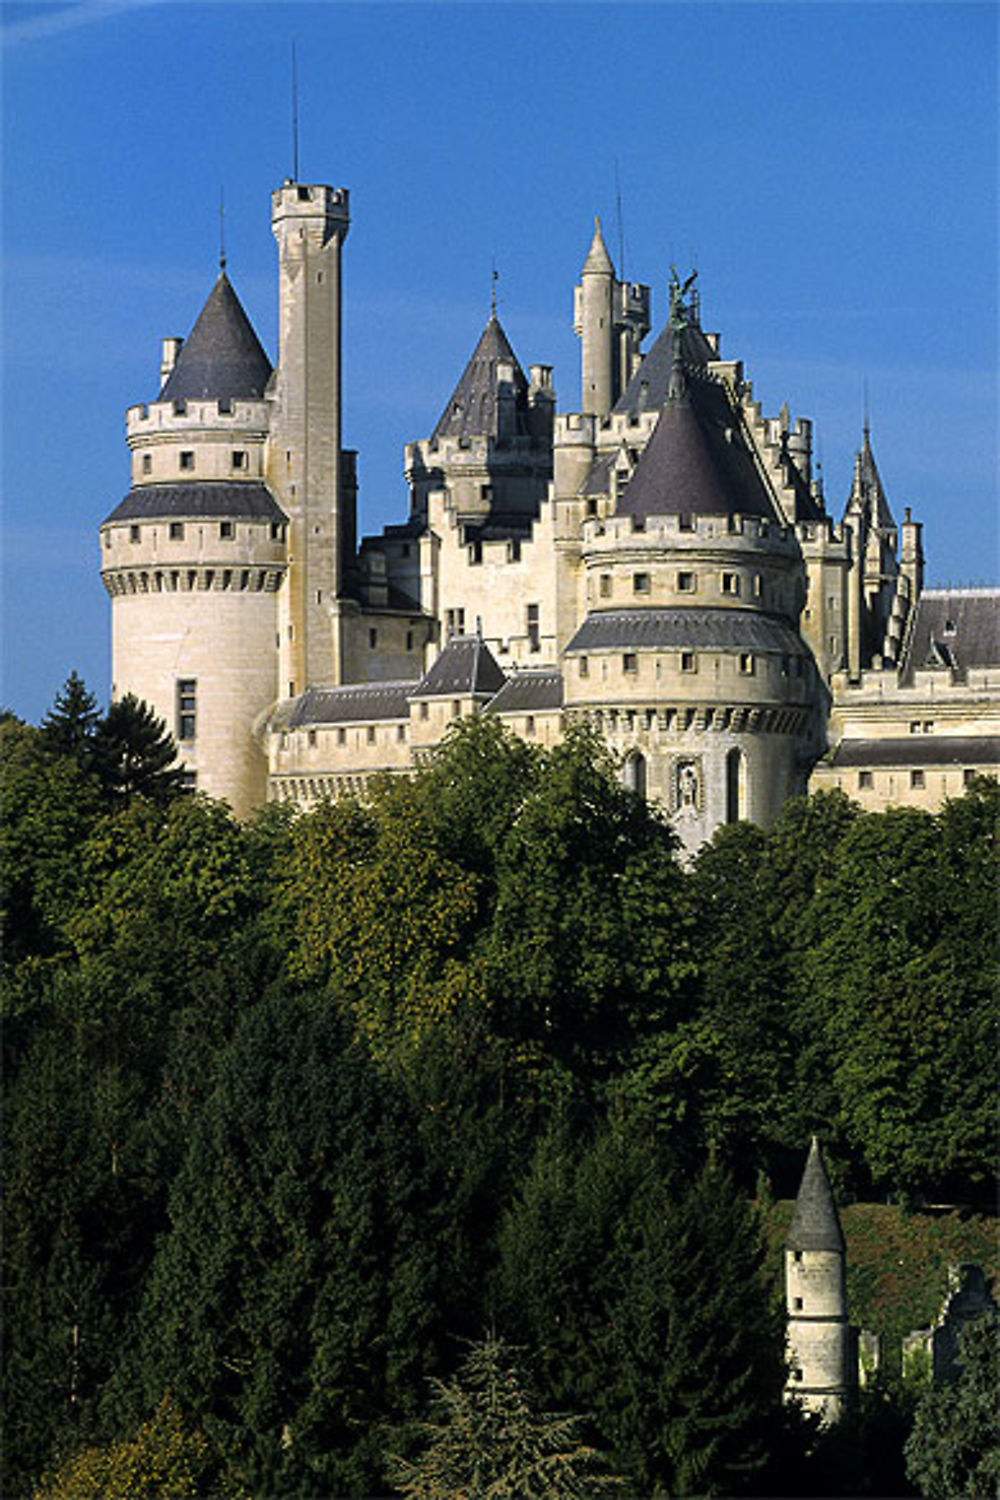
(531, 691)
(867, 494)
(649, 385)
(222, 359)
(954, 628)
(598, 258)
(472, 410)
(815, 1224)
(466, 666)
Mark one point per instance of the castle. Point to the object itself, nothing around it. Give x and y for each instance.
(659, 565)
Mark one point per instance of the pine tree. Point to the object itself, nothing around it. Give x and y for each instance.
(135, 755)
(71, 723)
(491, 1442)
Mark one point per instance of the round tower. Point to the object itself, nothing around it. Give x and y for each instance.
(595, 324)
(194, 555)
(816, 1292)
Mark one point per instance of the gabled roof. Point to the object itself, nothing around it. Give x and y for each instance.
(532, 691)
(222, 359)
(815, 1224)
(466, 667)
(954, 627)
(230, 500)
(472, 410)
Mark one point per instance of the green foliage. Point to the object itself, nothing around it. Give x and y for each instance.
(490, 1442)
(643, 1294)
(166, 1460)
(953, 1452)
(134, 755)
(71, 724)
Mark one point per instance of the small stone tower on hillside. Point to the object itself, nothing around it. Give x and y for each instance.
(818, 1333)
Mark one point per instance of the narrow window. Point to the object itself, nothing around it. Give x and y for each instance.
(187, 708)
(147, 463)
(239, 459)
(312, 739)
(456, 708)
(133, 533)
(915, 726)
(371, 734)
(227, 530)
(423, 710)
(730, 583)
(187, 459)
(689, 662)
(968, 776)
(177, 531)
(685, 583)
(373, 638)
(529, 724)
(736, 786)
(634, 773)
(277, 532)
(917, 780)
(341, 736)
(630, 662)
(640, 583)
(797, 1303)
(401, 731)
(747, 664)
(866, 781)
(534, 629)
(584, 667)
(475, 553)
(604, 586)
(409, 640)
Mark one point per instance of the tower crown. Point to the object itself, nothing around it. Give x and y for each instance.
(815, 1224)
(314, 204)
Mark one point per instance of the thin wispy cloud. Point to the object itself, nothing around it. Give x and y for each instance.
(36, 22)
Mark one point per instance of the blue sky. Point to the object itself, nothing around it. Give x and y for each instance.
(831, 170)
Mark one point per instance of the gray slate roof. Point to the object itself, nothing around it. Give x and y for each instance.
(919, 750)
(355, 703)
(648, 387)
(867, 492)
(955, 627)
(688, 628)
(465, 666)
(222, 359)
(231, 500)
(529, 692)
(815, 1224)
(472, 409)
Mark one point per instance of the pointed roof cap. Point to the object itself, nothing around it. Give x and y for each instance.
(598, 258)
(473, 409)
(815, 1224)
(867, 494)
(467, 667)
(222, 359)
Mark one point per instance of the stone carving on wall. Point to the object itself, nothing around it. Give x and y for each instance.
(687, 786)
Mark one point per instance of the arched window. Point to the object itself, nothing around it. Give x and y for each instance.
(634, 773)
(736, 786)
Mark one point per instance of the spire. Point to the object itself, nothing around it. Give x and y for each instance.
(867, 494)
(815, 1224)
(473, 408)
(223, 357)
(598, 260)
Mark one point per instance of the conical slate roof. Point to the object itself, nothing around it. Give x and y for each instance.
(598, 258)
(472, 410)
(223, 358)
(867, 494)
(815, 1225)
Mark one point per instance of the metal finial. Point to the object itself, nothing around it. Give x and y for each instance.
(222, 229)
(493, 290)
(867, 415)
(295, 116)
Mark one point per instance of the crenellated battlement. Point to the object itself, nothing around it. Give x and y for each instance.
(733, 533)
(150, 419)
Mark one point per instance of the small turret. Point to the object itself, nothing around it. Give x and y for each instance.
(594, 322)
(815, 1285)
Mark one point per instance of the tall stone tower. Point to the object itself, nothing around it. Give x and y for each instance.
(818, 1333)
(611, 318)
(194, 555)
(309, 475)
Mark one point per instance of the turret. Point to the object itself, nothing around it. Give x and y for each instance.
(306, 472)
(818, 1333)
(611, 318)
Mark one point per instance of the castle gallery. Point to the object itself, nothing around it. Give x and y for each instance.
(660, 565)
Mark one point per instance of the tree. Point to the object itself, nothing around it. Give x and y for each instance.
(490, 1442)
(167, 1459)
(70, 726)
(135, 755)
(953, 1452)
(644, 1300)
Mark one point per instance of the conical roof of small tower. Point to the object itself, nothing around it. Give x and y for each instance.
(466, 666)
(472, 409)
(223, 358)
(598, 258)
(815, 1224)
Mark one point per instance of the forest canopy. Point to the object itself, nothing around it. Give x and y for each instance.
(302, 1113)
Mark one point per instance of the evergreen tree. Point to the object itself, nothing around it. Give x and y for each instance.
(135, 755)
(490, 1441)
(953, 1452)
(70, 726)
